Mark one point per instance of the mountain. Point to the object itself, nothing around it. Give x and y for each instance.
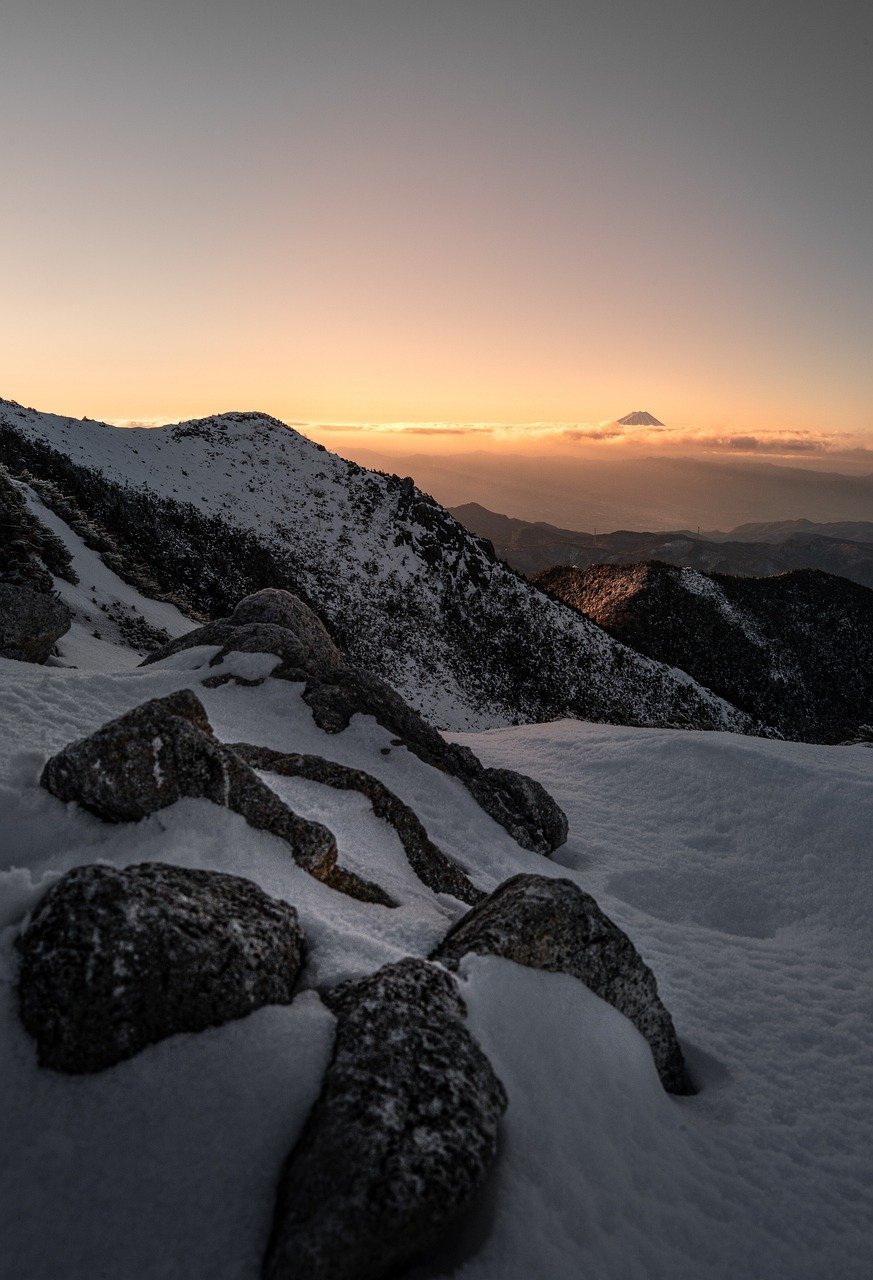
(738, 866)
(585, 487)
(205, 512)
(640, 418)
(782, 530)
(335, 1061)
(798, 648)
(798, 544)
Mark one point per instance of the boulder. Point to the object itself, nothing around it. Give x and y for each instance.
(269, 621)
(113, 960)
(521, 805)
(551, 924)
(433, 867)
(278, 622)
(31, 623)
(165, 750)
(400, 1139)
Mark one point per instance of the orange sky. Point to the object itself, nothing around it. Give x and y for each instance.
(484, 214)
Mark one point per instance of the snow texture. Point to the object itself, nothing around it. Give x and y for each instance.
(740, 868)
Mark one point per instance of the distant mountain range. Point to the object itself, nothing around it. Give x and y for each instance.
(589, 487)
(844, 548)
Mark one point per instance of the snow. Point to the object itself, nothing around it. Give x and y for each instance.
(369, 562)
(99, 590)
(739, 866)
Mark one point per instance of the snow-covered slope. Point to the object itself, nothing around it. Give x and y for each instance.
(738, 865)
(217, 508)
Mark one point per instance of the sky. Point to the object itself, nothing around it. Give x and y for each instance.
(463, 218)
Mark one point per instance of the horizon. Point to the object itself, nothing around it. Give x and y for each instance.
(480, 215)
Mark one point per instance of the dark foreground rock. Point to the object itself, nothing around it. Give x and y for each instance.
(269, 621)
(553, 925)
(400, 1139)
(115, 960)
(518, 803)
(165, 750)
(31, 623)
(433, 867)
(277, 622)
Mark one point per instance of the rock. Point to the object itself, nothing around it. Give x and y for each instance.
(269, 621)
(400, 1139)
(164, 750)
(551, 924)
(518, 803)
(31, 623)
(433, 867)
(277, 622)
(521, 805)
(114, 960)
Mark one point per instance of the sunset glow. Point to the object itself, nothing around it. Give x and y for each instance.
(370, 214)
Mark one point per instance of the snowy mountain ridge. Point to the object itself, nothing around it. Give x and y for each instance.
(217, 507)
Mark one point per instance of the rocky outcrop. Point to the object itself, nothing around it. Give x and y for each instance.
(268, 621)
(31, 623)
(776, 647)
(278, 622)
(114, 960)
(518, 803)
(400, 1139)
(165, 750)
(433, 867)
(553, 925)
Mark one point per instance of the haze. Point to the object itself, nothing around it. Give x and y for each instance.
(346, 213)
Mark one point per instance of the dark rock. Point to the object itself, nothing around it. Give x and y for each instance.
(269, 621)
(115, 960)
(521, 805)
(400, 1139)
(553, 925)
(164, 750)
(31, 623)
(774, 646)
(518, 803)
(433, 867)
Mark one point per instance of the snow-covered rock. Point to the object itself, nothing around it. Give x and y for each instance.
(401, 1138)
(31, 623)
(433, 867)
(552, 925)
(112, 961)
(164, 750)
(268, 621)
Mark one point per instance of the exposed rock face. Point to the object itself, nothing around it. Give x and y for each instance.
(553, 925)
(278, 622)
(31, 623)
(433, 867)
(400, 1139)
(268, 621)
(518, 803)
(114, 960)
(775, 647)
(163, 750)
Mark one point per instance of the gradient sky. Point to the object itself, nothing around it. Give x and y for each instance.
(370, 211)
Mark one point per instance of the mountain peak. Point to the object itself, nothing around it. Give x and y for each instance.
(640, 418)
